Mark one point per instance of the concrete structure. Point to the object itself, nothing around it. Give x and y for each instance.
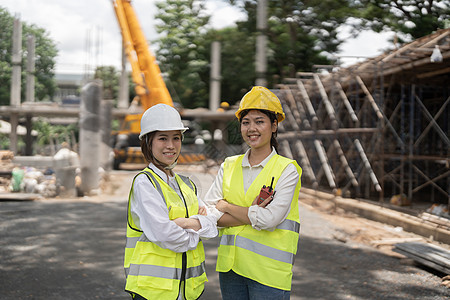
(90, 136)
(214, 95)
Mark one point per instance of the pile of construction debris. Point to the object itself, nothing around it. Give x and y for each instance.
(17, 179)
(29, 178)
(6, 167)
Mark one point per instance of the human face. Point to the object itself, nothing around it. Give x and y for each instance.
(256, 129)
(166, 146)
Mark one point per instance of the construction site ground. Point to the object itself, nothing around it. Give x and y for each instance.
(62, 248)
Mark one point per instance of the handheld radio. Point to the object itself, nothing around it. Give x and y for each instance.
(265, 193)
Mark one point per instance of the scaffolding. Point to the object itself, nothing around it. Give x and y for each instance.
(377, 129)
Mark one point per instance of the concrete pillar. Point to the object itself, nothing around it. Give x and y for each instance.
(15, 82)
(91, 96)
(16, 63)
(106, 160)
(214, 95)
(261, 43)
(124, 84)
(29, 136)
(14, 121)
(29, 95)
(31, 49)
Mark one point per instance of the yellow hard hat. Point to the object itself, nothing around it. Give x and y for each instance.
(261, 98)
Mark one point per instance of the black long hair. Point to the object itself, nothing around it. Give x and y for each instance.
(273, 118)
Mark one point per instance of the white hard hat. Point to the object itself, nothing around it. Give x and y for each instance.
(161, 117)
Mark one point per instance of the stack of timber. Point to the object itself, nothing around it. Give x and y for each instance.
(426, 254)
(438, 221)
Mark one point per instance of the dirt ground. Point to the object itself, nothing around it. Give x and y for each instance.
(361, 230)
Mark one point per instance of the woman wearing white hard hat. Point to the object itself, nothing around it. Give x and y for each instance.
(255, 201)
(164, 255)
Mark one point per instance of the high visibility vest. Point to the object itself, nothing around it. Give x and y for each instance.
(154, 272)
(264, 256)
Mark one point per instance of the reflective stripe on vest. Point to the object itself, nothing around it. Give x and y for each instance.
(261, 249)
(154, 272)
(290, 225)
(131, 242)
(185, 179)
(156, 184)
(257, 248)
(264, 256)
(166, 272)
(188, 182)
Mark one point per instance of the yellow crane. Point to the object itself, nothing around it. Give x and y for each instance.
(146, 75)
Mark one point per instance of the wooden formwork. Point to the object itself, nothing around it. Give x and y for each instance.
(376, 129)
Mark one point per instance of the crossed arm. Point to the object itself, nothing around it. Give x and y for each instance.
(188, 223)
(235, 215)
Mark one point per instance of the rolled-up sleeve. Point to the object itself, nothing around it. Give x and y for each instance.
(214, 194)
(274, 213)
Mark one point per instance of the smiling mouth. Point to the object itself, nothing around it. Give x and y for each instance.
(253, 137)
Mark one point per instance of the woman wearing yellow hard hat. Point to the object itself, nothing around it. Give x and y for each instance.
(255, 200)
(164, 255)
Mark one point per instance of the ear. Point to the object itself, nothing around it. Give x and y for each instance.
(275, 126)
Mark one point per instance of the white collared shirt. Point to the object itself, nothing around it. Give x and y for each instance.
(149, 212)
(261, 218)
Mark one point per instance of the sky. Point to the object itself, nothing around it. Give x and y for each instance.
(86, 32)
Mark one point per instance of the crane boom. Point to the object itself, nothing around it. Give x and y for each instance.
(146, 74)
(149, 84)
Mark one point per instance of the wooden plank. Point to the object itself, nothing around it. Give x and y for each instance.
(427, 254)
(19, 196)
(444, 222)
(392, 241)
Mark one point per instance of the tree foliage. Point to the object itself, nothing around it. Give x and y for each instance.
(415, 18)
(110, 78)
(300, 33)
(182, 51)
(46, 52)
(50, 133)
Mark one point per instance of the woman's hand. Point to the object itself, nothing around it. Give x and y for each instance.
(222, 205)
(187, 223)
(202, 211)
(265, 203)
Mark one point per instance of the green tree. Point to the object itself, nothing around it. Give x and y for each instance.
(300, 33)
(110, 78)
(182, 52)
(50, 134)
(415, 18)
(46, 52)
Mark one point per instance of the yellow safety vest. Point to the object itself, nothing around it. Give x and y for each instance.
(154, 272)
(264, 256)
